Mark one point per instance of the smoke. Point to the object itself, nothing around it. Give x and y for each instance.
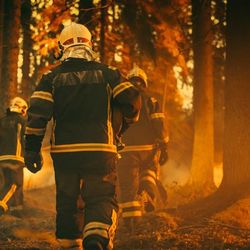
(43, 178)
(174, 174)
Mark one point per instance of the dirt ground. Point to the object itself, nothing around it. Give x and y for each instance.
(229, 229)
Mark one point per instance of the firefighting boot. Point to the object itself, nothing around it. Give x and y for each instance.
(93, 243)
(1, 211)
(93, 246)
(148, 202)
(131, 224)
(16, 211)
(3, 208)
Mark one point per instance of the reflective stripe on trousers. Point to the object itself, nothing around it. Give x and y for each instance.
(131, 209)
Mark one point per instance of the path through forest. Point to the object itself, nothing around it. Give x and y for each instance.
(229, 229)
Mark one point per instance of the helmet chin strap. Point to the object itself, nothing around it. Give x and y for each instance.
(58, 55)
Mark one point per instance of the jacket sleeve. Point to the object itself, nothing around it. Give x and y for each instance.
(39, 113)
(125, 96)
(157, 119)
(23, 123)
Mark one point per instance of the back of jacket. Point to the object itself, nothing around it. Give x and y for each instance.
(79, 95)
(144, 134)
(12, 127)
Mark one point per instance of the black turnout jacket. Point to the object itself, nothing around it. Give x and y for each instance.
(79, 95)
(12, 127)
(150, 128)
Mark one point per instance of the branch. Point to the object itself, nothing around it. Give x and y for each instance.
(98, 8)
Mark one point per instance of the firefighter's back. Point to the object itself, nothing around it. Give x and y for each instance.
(82, 111)
(11, 141)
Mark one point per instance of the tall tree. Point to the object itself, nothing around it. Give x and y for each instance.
(203, 147)
(11, 29)
(26, 12)
(86, 8)
(103, 30)
(236, 162)
(1, 50)
(219, 24)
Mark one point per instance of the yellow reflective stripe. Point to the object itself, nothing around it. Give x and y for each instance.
(43, 95)
(130, 204)
(96, 224)
(157, 115)
(131, 214)
(148, 178)
(9, 194)
(67, 243)
(18, 140)
(4, 206)
(96, 227)
(112, 229)
(109, 123)
(11, 157)
(35, 131)
(121, 87)
(150, 173)
(83, 147)
(137, 148)
(105, 230)
(100, 232)
(46, 148)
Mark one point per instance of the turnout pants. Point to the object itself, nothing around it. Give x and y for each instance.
(97, 217)
(139, 186)
(11, 190)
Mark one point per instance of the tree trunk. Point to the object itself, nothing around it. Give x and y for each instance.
(27, 47)
(219, 81)
(85, 14)
(1, 53)
(102, 31)
(203, 148)
(12, 11)
(236, 161)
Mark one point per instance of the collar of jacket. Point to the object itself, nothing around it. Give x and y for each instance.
(82, 52)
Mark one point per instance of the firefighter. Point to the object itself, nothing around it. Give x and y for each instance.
(80, 95)
(145, 148)
(12, 128)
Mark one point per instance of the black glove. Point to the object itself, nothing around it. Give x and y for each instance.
(33, 161)
(163, 157)
(163, 147)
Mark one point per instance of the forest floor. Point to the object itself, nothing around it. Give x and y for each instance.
(164, 229)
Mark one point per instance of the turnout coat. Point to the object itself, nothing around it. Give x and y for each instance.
(79, 95)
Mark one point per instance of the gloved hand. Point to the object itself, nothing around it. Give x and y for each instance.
(163, 157)
(33, 161)
(163, 147)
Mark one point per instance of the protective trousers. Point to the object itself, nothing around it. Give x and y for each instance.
(97, 219)
(11, 192)
(138, 183)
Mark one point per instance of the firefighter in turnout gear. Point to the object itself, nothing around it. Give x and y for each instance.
(12, 128)
(145, 149)
(80, 95)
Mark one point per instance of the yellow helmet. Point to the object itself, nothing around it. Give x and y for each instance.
(18, 105)
(75, 34)
(138, 72)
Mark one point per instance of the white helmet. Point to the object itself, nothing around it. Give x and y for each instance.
(138, 72)
(75, 34)
(18, 105)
